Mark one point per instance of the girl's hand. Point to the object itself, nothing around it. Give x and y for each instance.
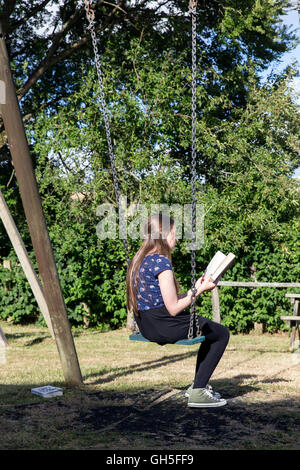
(204, 283)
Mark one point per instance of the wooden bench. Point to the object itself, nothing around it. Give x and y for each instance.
(293, 320)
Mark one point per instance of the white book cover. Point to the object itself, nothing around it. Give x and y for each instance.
(47, 391)
(219, 264)
(215, 262)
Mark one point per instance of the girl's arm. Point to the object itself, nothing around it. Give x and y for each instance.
(173, 303)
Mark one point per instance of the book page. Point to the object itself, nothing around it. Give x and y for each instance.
(224, 266)
(215, 262)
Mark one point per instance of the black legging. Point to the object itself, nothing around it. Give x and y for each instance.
(210, 351)
(159, 326)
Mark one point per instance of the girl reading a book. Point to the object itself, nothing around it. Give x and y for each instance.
(162, 315)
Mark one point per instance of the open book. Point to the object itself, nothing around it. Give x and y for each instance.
(219, 265)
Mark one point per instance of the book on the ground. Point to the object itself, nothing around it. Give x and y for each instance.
(47, 391)
(219, 265)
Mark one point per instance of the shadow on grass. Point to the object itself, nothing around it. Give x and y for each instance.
(115, 373)
(35, 338)
(149, 418)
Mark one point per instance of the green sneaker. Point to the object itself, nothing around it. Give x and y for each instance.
(202, 398)
(208, 387)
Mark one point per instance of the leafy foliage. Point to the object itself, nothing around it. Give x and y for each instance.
(248, 148)
(16, 301)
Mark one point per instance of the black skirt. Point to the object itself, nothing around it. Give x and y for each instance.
(158, 326)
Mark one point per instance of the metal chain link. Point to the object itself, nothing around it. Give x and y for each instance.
(90, 14)
(193, 317)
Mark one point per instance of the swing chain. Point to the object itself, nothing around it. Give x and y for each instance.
(193, 6)
(193, 317)
(90, 14)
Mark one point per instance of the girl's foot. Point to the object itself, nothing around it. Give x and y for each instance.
(203, 398)
(208, 387)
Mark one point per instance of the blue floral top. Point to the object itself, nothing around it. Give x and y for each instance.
(149, 293)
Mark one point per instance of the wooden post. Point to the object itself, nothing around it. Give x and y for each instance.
(216, 305)
(6, 262)
(294, 324)
(3, 340)
(3, 346)
(19, 149)
(25, 261)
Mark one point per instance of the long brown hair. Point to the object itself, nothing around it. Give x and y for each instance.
(156, 230)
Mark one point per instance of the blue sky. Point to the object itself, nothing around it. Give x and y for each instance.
(290, 19)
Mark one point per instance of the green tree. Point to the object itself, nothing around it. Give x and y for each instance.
(249, 196)
(47, 40)
(247, 150)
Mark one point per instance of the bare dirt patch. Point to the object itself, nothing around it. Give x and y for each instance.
(133, 395)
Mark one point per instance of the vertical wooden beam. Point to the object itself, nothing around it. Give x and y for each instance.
(216, 305)
(3, 346)
(19, 149)
(25, 261)
(294, 324)
(3, 340)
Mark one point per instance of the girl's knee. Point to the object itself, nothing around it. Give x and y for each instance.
(222, 332)
(225, 334)
(216, 332)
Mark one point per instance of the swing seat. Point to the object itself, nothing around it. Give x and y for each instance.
(185, 342)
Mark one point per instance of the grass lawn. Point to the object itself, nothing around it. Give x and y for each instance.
(133, 394)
